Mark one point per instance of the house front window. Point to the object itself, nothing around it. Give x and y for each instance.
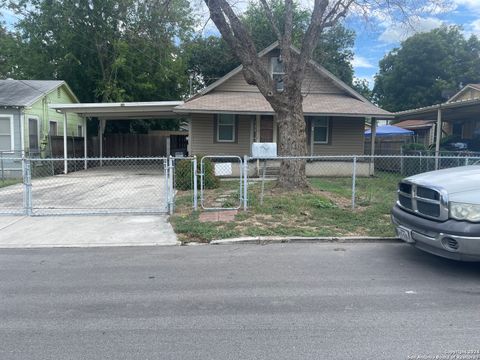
(226, 128)
(320, 129)
(6, 133)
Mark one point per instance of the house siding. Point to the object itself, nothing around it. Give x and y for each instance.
(468, 94)
(41, 111)
(313, 83)
(237, 83)
(347, 138)
(202, 136)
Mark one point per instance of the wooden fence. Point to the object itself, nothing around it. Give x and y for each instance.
(118, 145)
(129, 145)
(75, 147)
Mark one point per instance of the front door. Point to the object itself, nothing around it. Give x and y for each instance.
(266, 128)
(33, 136)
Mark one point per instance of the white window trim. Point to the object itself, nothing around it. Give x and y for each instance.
(313, 132)
(12, 134)
(234, 134)
(49, 122)
(39, 130)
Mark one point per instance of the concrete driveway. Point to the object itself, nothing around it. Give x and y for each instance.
(85, 231)
(138, 188)
(126, 206)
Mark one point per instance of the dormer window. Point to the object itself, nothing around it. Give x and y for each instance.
(278, 72)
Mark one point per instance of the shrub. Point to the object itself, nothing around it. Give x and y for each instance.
(211, 181)
(184, 175)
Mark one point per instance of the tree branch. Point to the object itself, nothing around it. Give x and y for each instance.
(271, 19)
(314, 29)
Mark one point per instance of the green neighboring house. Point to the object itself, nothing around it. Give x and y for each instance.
(27, 123)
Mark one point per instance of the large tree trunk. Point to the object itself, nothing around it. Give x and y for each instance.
(292, 142)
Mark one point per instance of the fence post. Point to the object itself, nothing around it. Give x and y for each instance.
(467, 161)
(354, 181)
(170, 186)
(195, 184)
(1, 160)
(27, 181)
(402, 164)
(245, 182)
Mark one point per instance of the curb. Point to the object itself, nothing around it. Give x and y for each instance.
(82, 246)
(264, 240)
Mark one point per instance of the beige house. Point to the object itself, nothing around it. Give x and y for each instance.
(229, 115)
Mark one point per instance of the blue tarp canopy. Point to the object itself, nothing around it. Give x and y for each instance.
(389, 130)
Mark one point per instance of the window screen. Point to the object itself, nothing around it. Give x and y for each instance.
(226, 128)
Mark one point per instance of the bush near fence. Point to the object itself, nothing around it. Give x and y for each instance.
(184, 174)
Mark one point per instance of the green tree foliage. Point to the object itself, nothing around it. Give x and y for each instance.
(362, 87)
(210, 58)
(107, 50)
(8, 48)
(427, 68)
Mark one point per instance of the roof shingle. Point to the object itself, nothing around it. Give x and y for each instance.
(250, 102)
(24, 92)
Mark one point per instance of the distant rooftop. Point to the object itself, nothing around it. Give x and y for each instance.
(25, 92)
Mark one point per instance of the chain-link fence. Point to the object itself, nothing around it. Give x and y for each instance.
(120, 185)
(36, 186)
(91, 186)
(11, 184)
(343, 181)
(185, 172)
(221, 185)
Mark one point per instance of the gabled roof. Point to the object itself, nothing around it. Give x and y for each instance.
(316, 66)
(23, 93)
(475, 87)
(344, 101)
(230, 102)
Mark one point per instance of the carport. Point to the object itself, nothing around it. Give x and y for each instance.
(464, 111)
(112, 111)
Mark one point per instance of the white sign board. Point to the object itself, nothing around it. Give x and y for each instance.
(223, 169)
(264, 150)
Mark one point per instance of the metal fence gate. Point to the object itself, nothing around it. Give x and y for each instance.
(229, 171)
(91, 186)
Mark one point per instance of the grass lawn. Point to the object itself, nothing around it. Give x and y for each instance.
(8, 182)
(323, 211)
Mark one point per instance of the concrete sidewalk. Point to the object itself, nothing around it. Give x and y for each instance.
(85, 231)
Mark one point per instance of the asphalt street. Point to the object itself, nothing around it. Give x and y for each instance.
(290, 301)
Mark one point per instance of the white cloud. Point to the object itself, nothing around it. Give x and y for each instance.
(397, 32)
(470, 4)
(472, 28)
(362, 62)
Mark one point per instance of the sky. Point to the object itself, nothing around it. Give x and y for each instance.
(380, 35)
(373, 43)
